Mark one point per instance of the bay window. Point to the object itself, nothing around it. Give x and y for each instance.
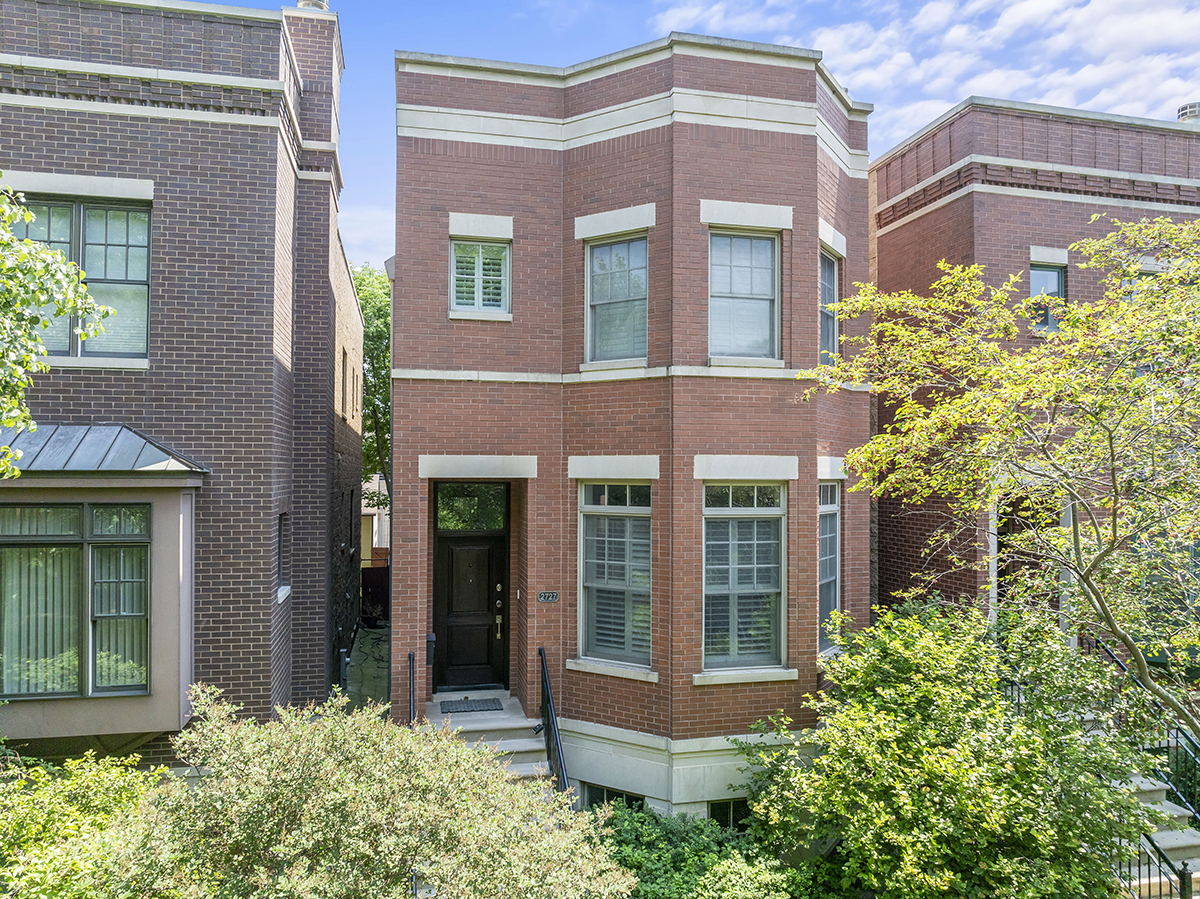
(74, 599)
(743, 575)
(617, 279)
(615, 530)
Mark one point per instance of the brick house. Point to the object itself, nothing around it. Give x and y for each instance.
(606, 279)
(1011, 186)
(188, 508)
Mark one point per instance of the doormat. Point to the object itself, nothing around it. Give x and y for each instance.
(450, 706)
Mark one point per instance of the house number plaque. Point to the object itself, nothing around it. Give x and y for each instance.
(548, 596)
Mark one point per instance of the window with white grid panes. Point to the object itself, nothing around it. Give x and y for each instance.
(743, 287)
(615, 535)
(829, 556)
(617, 290)
(829, 296)
(743, 575)
(111, 244)
(479, 277)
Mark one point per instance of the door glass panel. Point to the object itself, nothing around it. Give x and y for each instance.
(472, 507)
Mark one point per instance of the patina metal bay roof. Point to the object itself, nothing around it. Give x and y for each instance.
(102, 449)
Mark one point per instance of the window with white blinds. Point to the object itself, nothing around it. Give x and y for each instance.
(829, 322)
(616, 572)
(743, 575)
(829, 557)
(479, 279)
(74, 599)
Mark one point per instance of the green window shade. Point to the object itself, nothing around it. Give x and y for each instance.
(37, 521)
(120, 586)
(39, 619)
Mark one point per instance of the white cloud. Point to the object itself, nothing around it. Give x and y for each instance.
(736, 17)
(368, 233)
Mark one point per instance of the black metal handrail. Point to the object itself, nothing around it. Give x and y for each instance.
(554, 752)
(412, 688)
(1150, 873)
(1177, 747)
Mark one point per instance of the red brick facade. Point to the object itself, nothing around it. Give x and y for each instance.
(248, 286)
(524, 387)
(994, 182)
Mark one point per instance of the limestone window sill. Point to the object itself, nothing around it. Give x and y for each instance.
(612, 669)
(744, 676)
(610, 364)
(743, 362)
(480, 315)
(117, 362)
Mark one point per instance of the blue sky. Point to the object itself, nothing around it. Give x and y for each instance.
(913, 60)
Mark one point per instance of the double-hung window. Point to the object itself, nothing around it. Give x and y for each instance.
(743, 575)
(479, 277)
(1047, 281)
(617, 299)
(743, 292)
(829, 558)
(829, 296)
(616, 572)
(111, 243)
(74, 599)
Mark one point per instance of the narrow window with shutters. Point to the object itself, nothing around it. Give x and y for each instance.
(616, 572)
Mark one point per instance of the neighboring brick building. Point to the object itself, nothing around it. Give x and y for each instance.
(186, 155)
(1010, 186)
(606, 279)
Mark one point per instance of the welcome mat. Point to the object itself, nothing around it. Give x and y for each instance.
(450, 706)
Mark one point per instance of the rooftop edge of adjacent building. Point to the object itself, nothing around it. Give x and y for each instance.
(1191, 127)
(591, 69)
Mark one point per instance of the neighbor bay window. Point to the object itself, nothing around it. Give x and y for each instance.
(74, 600)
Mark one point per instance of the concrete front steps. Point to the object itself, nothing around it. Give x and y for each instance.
(1181, 844)
(508, 732)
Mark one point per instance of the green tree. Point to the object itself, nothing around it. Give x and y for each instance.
(375, 297)
(936, 785)
(1084, 436)
(36, 285)
(325, 803)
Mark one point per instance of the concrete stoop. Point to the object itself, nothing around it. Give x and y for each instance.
(1180, 844)
(508, 732)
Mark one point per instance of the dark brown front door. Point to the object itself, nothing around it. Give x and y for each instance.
(470, 599)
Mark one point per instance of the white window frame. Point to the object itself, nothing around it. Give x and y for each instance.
(585, 510)
(478, 310)
(824, 644)
(779, 513)
(776, 301)
(589, 329)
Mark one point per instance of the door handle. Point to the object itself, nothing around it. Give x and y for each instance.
(499, 618)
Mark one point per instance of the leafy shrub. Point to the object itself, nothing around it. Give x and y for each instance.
(936, 784)
(736, 878)
(43, 808)
(670, 855)
(322, 803)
